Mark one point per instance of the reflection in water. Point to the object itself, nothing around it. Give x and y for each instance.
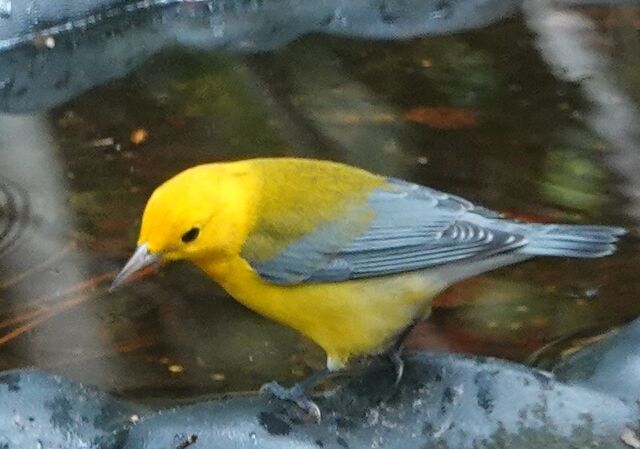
(36, 269)
(478, 114)
(351, 119)
(568, 39)
(14, 213)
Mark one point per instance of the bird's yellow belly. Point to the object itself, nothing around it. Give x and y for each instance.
(346, 319)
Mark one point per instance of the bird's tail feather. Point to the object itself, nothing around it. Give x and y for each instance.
(573, 241)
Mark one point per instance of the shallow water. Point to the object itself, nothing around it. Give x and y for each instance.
(538, 128)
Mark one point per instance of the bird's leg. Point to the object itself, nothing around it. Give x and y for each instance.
(299, 393)
(395, 353)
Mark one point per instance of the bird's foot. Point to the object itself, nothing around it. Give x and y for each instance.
(397, 363)
(296, 394)
(398, 366)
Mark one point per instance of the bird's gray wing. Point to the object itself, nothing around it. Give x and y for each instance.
(413, 228)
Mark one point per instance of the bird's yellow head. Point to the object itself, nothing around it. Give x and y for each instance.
(201, 213)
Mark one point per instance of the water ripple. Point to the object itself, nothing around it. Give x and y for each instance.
(14, 214)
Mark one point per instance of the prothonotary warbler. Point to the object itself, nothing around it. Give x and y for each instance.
(348, 258)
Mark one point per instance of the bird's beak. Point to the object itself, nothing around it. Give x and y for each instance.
(141, 259)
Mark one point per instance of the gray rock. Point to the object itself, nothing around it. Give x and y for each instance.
(93, 49)
(611, 365)
(444, 401)
(19, 18)
(39, 410)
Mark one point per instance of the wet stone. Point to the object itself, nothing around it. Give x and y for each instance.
(274, 424)
(5, 9)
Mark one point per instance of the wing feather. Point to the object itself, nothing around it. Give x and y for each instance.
(413, 228)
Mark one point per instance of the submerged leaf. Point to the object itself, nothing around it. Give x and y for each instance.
(442, 117)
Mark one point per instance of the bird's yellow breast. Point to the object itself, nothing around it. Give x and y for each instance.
(346, 319)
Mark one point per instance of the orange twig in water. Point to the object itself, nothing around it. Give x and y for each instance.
(25, 274)
(24, 328)
(51, 312)
(22, 317)
(37, 317)
(91, 282)
(133, 345)
(43, 299)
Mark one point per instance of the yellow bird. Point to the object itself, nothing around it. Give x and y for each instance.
(348, 258)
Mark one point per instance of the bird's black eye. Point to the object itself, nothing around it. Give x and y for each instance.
(190, 235)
